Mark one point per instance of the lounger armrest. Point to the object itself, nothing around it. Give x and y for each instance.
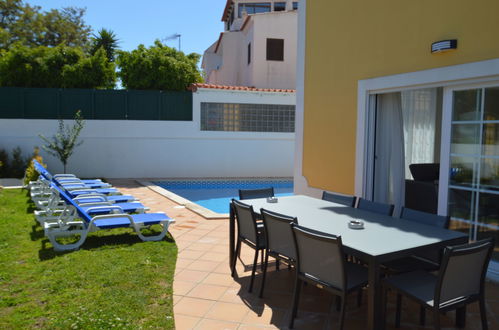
(106, 207)
(96, 204)
(63, 176)
(79, 184)
(90, 196)
(90, 191)
(70, 181)
(111, 216)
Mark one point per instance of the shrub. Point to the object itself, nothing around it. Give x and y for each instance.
(4, 159)
(18, 164)
(31, 174)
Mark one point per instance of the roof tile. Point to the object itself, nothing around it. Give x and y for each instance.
(194, 87)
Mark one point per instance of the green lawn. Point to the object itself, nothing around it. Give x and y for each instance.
(114, 281)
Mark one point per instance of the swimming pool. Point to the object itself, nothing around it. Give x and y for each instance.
(215, 194)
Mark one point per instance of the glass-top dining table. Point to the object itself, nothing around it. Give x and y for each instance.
(382, 239)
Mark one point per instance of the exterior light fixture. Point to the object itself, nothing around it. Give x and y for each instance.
(443, 46)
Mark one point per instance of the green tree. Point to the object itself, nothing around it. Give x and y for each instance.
(55, 67)
(158, 67)
(63, 143)
(106, 39)
(30, 26)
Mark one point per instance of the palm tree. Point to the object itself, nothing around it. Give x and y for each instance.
(106, 39)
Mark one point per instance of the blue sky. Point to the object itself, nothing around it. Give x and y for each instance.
(142, 21)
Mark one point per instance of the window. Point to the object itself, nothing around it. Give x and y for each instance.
(279, 6)
(236, 117)
(295, 5)
(275, 49)
(253, 8)
(249, 53)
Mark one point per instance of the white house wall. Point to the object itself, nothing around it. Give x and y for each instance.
(160, 149)
(233, 68)
(275, 74)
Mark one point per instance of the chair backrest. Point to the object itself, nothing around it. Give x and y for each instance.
(339, 198)
(278, 233)
(463, 269)
(256, 193)
(320, 257)
(246, 221)
(381, 208)
(425, 171)
(430, 219)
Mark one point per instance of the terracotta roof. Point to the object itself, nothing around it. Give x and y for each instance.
(194, 87)
(226, 10)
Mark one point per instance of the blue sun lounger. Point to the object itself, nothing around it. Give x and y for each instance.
(81, 223)
(69, 178)
(93, 205)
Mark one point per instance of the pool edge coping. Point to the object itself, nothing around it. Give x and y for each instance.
(202, 211)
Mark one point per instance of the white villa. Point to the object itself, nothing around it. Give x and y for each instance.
(258, 47)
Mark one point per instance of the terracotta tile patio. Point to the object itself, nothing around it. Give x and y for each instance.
(207, 297)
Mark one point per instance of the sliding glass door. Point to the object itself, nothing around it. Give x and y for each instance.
(473, 161)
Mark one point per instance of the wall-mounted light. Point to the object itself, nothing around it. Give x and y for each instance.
(443, 46)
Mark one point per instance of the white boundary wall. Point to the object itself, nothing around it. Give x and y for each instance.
(166, 149)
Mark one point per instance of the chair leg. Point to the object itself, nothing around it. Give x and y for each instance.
(296, 298)
(436, 319)
(384, 301)
(422, 315)
(253, 270)
(265, 265)
(338, 303)
(342, 312)
(397, 312)
(238, 250)
(277, 264)
(483, 313)
(261, 264)
(461, 317)
(359, 298)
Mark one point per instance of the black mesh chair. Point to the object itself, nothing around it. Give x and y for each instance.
(256, 193)
(425, 260)
(460, 281)
(339, 198)
(381, 208)
(320, 260)
(249, 233)
(279, 238)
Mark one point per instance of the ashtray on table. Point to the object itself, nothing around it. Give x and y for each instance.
(272, 199)
(356, 224)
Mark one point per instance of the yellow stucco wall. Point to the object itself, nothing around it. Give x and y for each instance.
(351, 40)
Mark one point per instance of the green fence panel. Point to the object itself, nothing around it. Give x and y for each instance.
(110, 104)
(143, 105)
(54, 103)
(73, 100)
(12, 102)
(41, 103)
(176, 106)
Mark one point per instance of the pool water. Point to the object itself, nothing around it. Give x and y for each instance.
(216, 195)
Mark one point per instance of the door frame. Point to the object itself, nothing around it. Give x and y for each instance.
(463, 74)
